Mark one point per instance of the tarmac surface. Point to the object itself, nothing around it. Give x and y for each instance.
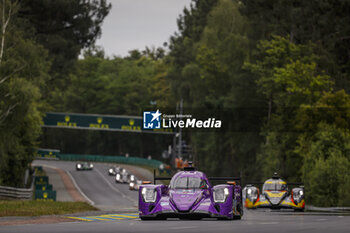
(253, 221)
(96, 186)
(62, 193)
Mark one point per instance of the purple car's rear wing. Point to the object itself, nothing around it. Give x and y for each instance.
(226, 178)
(155, 178)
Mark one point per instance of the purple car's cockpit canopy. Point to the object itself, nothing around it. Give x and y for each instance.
(189, 180)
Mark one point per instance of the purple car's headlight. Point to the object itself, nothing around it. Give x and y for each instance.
(220, 195)
(149, 194)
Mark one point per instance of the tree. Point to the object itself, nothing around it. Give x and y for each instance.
(112, 86)
(324, 147)
(207, 58)
(182, 44)
(23, 71)
(288, 76)
(326, 165)
(64, 28)
(324, 23)
(7, 9)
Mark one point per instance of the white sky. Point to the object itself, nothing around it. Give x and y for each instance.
(135, 24)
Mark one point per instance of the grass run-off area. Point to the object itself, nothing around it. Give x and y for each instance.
(37, 208)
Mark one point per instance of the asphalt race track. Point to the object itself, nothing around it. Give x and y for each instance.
(102, 190)
(253, 221)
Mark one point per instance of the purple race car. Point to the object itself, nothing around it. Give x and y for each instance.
(191, 196)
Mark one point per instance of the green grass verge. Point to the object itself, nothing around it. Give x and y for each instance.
(37, 208)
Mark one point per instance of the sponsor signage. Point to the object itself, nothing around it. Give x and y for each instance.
(150, 122)
(99, 122)
(48, 195)
(38, 169)
(43, 187)
(48, 153)
(43, 180)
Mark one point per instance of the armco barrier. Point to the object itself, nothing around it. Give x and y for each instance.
(15, 193)
(111, 159)
(327, 209)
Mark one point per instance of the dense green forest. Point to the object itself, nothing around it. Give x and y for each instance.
(286, 64)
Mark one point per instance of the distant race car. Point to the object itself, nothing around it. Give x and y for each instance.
(84, 166)
(114, 171)
(190, 195)
(275, 195)
(122, 177)
(134, 183)
(131, 178)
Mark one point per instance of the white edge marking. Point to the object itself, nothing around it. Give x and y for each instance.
(81, 192)
(114, 188)
(181, 228)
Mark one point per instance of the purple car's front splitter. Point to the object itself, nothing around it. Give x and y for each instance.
(183, 215)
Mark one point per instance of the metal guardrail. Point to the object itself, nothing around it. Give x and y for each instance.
(327, 209)
(15, 193)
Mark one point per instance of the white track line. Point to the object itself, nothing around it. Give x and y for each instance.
(81, 192)
(114, 188)
(182, 228)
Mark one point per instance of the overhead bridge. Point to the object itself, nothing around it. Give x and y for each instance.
(99, 122)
